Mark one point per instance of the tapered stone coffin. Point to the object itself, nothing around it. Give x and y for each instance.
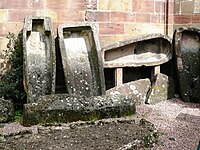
(187, 48)
(146, 50)
(81, 58)
(39, 57)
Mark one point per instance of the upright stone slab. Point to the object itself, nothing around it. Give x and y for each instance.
(187, 48)
(81, 58)
(137, 90)
(160, 89)
(39, 57)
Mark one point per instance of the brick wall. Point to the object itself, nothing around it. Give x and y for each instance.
(117, 19)
(187, 13)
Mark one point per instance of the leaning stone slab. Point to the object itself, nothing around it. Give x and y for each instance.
(81, 58)
(39, 57)
(187, 49)
(6, 110)
(137, 90)
(69, 108)
(160, 90)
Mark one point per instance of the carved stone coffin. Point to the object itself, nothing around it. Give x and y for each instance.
(146, 50)
(187, 48)
(136, 58)
(81, 58)
(39, 57)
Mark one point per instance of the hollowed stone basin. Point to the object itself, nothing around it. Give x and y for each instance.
(81, 58)
(147, 50)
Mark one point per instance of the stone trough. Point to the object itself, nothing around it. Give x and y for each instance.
(39, 57)
(81, 58)
(187, 49)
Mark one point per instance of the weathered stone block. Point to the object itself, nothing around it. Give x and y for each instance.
(18, 15)
(118, 16)
(111, 28)
(138, 29)
(187, 7)
(160, 89)
(57, 5)
(6, 110)
(68, 108)
(9, 4)
(98, 16)
(196, 6)
(36, 4)
(182, 19)
(3, 15)
(112, 5)
(39, 57)
(137, 90)
(70, 16)
(187, 47)
(81, 58)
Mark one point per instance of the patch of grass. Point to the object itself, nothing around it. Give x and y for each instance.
(18, 115)
(94, 117)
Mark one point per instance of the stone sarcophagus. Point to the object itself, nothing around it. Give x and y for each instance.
(81, 58)
(137, 58)
(187, 49)
(147, 50)
(39, 57)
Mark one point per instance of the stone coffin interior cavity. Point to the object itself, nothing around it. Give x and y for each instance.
(80, 55)
(148, 50)
(39, 58)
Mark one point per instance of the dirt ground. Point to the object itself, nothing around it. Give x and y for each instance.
(178, 125)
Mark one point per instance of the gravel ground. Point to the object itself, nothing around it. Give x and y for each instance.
(177, 122)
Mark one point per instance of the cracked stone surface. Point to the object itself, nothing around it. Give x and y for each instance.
(137, 90)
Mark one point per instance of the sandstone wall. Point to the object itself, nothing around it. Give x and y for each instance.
(117, 19)
(187, 13)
